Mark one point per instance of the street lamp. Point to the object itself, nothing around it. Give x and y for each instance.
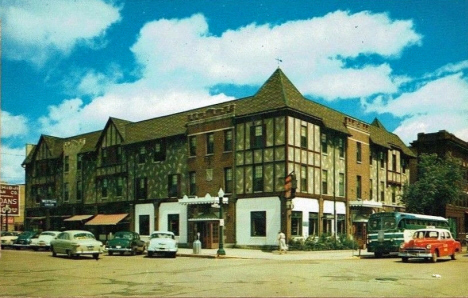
(7, 209)
(221, 251)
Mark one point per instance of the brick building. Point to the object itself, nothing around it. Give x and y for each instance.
(443, 143)
(165, 173)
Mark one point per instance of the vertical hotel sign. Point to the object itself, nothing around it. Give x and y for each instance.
(9, 197)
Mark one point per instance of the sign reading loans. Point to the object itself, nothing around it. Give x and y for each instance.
(9, 199)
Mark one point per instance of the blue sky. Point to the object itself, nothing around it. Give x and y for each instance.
(67, 66)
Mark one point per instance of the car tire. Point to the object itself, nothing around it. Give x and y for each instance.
(434, 257)
(378, 255)
(110, 253)
(133, 252)
(69, 254)
(96, 256)
(454, 255)
(35, 248)
(54, 254)
(173, 255)
(404, 259)
(150, 253)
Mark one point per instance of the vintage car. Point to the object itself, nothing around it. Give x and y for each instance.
(8, 238)
(43, 241)
(126, 241)
(430, 244)
(24, 239)
(162, 243)
(76, 243)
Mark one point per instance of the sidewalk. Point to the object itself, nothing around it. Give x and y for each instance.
(241, 253)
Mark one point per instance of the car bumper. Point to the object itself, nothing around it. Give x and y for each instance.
(122, 249)
(21, 245)
(88, 252)
(162, 250)
(414, 254)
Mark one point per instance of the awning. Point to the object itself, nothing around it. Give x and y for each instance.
(205, 217)
(208, 199)
(78, 218)
(365, 203)
(106, 219)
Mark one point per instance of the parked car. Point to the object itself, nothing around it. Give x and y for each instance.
(126, 241)
(43, 241)
(430, 244)
(162, 243)
(8, 238)
(76, 243)
(24, 239)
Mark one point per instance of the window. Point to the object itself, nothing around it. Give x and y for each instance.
(324, 143)
(142, 155)
(79, 162)
(341, 147)
(141, 188)
(258, 178)
(313, 223)
(382, 160)
(66, 165)
(296, 223)
(303, 178)
(192, 184)
(173, 223)
(324, 182)
(358, 152)
(160, 150)
(393, 194)
(79, 191)
(193, 146)
(382, 191)
(104, 188)
(144, 224)
(358, 187)
(66, 192)
(371, 190)
(228, 140)
(111, 155)
(341, 184)
(257, 138)
(370, 158)
(304, 136)
(394, 160)
(119, 190)
(210, 143)
(174, 185)
(228, 185)
(258, 223)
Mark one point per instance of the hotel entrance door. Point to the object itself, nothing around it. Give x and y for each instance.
(209, 233)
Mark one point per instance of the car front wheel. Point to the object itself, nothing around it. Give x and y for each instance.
(54, 254)
(454, 255)
(404, 259)
(434, 257)
(96, 256)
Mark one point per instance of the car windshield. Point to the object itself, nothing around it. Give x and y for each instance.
(83, 236)
(123, 236)
(161, 235)
(426, 234)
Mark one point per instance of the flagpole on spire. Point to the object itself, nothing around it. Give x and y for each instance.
(279, 61)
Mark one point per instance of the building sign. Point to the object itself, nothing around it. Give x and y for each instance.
(9, 199)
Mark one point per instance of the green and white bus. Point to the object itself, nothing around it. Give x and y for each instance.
(387, 230)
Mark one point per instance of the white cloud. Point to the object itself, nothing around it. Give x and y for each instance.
(37, 30)
(13, 125)
(441, 104)
(11, 160)
(180, 60)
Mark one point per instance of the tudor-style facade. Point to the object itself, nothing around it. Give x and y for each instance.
(165, 173)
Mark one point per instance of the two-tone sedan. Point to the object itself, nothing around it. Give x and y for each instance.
(76, 243)
(8, 238)
(43, 241)
(24, 239)
(126, 241)
(162, 243)
(430, 244)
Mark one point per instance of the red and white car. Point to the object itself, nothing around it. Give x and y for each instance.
(430, 244)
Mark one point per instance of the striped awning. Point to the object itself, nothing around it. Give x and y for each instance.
(78, 218)
(205, 217)
(365, 203)
(106, 219)
(208, 199)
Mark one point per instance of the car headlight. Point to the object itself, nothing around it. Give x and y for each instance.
(428, 246)
(402, 245)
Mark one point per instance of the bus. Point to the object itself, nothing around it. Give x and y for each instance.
(386, 231)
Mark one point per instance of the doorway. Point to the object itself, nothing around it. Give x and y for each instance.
(209, 233)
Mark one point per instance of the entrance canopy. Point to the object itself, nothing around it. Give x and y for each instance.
(106, 219)
(78, 218)
(207, 199)
(365, 203)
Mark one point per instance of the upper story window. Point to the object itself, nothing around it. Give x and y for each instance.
(394, 162)
(142, 155)
(104, 187)
(66, 192)
(192, 184)
(358, 152)
(228, 140)
(258, 178)
(174, 185)
(142, 188)
(324, 182)
(160, 150)
(79, 191)
(341, 180)
(257, 136)
(193, 146)
(79, 162)
(119, 190)
(341, 147)
(210, 143)
(111, 155)
(324, 143)
(66, 164)
(382, 159)
(303, 178)
(359, 187)
(228, 183)
(303, 136)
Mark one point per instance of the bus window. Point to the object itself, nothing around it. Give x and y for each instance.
(373, 224)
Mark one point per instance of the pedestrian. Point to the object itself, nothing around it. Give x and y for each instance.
(282, 243)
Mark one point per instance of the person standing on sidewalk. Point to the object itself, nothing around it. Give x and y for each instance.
(282, 243)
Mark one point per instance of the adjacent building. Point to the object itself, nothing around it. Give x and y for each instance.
(165, 173)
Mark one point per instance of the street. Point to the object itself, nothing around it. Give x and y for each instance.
(29, 273)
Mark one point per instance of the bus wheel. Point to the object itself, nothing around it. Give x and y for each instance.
(378, 254)
(434, 257)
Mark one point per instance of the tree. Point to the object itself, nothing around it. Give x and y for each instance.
(440, 182)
